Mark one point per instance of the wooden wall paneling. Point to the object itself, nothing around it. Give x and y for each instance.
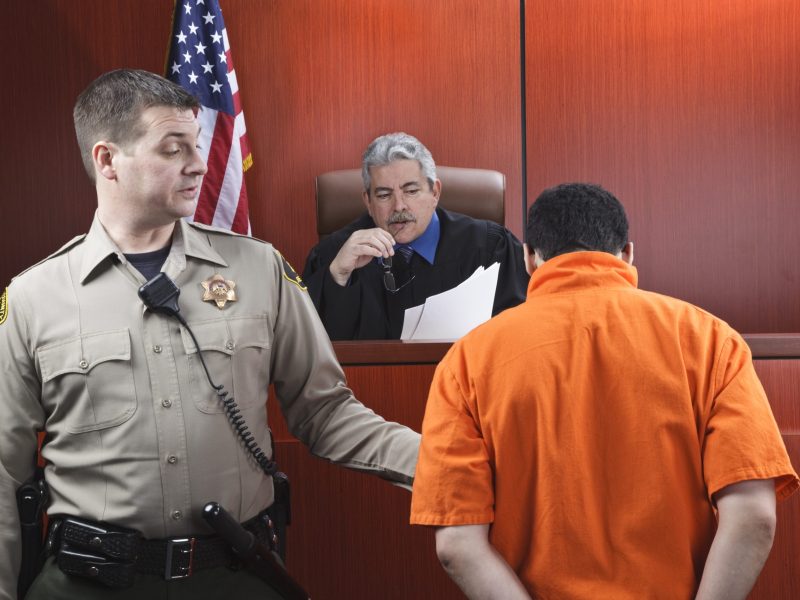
(687, 111)
(350, 536)
(320, 80)
(55, 48)
(780, 578)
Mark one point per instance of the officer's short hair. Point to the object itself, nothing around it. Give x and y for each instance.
(110, 107)
(396, 146)
(576, 216)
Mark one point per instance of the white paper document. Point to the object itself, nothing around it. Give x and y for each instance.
(451, 314)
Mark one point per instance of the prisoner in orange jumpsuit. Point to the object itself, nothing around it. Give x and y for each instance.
(581, 444)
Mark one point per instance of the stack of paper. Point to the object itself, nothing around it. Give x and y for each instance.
(451, 314)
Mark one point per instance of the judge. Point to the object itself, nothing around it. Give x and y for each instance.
(404, 249)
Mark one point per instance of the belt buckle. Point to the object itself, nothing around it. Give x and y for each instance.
(180, 552)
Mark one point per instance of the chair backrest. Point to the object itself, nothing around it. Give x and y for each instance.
(479, 193)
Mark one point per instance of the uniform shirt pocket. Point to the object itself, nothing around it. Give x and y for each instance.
(237, 354)
(90, 378)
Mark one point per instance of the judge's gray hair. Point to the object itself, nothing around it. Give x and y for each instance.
(396, 146)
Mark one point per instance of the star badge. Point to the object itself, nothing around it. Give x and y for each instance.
(218, 290)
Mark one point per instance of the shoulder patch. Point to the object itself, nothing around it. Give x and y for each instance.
(290, 274)
(4, 306)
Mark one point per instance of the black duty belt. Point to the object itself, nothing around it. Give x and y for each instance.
(114, 555)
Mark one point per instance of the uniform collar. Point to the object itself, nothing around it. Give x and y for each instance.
(425, 245)
(576, 271)
(197, 244)
(186, 241)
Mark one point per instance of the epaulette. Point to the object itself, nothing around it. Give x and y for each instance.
(68, 246)
(215, 229)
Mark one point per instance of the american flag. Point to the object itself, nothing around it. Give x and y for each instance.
(200, 62)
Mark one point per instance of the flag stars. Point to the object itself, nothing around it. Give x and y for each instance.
(181, 37)
(187, 57)
(176, 68)
(216, 87)
(216, 37)
(201, 49)
(222, 58)
(209, 18)
(192, 77)
(193, 28)
(188, 8)
(207, 67)
(199, 2)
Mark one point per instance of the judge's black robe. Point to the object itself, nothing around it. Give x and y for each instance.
(364, 310)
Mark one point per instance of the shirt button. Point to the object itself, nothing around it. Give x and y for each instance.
(177, 515)
(172, 459)
(229, 345)
(84, 364)
(166, 403)
(157, 349)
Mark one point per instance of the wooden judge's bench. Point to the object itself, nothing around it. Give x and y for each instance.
(350, 537)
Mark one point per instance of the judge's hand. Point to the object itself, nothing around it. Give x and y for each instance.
(358, 250)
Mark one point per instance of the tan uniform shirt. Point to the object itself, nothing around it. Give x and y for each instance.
(135, 434)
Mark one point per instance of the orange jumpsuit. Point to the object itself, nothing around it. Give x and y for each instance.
(591, 426)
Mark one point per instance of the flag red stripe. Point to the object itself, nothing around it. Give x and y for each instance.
(241, 222)
(237, 106)
(217, 162)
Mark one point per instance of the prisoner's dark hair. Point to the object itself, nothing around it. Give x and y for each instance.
(576, 216)
(110, 107)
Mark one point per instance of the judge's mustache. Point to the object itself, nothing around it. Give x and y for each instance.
(403, 216)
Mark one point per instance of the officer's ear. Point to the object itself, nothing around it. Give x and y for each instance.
(103, 158)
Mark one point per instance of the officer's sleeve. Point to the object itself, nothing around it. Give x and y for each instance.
(512, 280)
(21, 415)
(320, 409)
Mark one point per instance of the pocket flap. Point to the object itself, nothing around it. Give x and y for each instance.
(82, 353)
(226, 335)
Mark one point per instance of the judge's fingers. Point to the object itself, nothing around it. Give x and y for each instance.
(370, 242)
(384, 239)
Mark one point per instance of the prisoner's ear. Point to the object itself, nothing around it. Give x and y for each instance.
(530, 258)
(627, 253)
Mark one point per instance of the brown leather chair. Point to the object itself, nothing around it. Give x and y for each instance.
(479, 193)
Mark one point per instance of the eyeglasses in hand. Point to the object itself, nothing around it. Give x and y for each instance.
(388, 277)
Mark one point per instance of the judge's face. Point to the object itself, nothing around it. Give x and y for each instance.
(400, 200)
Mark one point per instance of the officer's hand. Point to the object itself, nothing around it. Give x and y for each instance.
(358, 250)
